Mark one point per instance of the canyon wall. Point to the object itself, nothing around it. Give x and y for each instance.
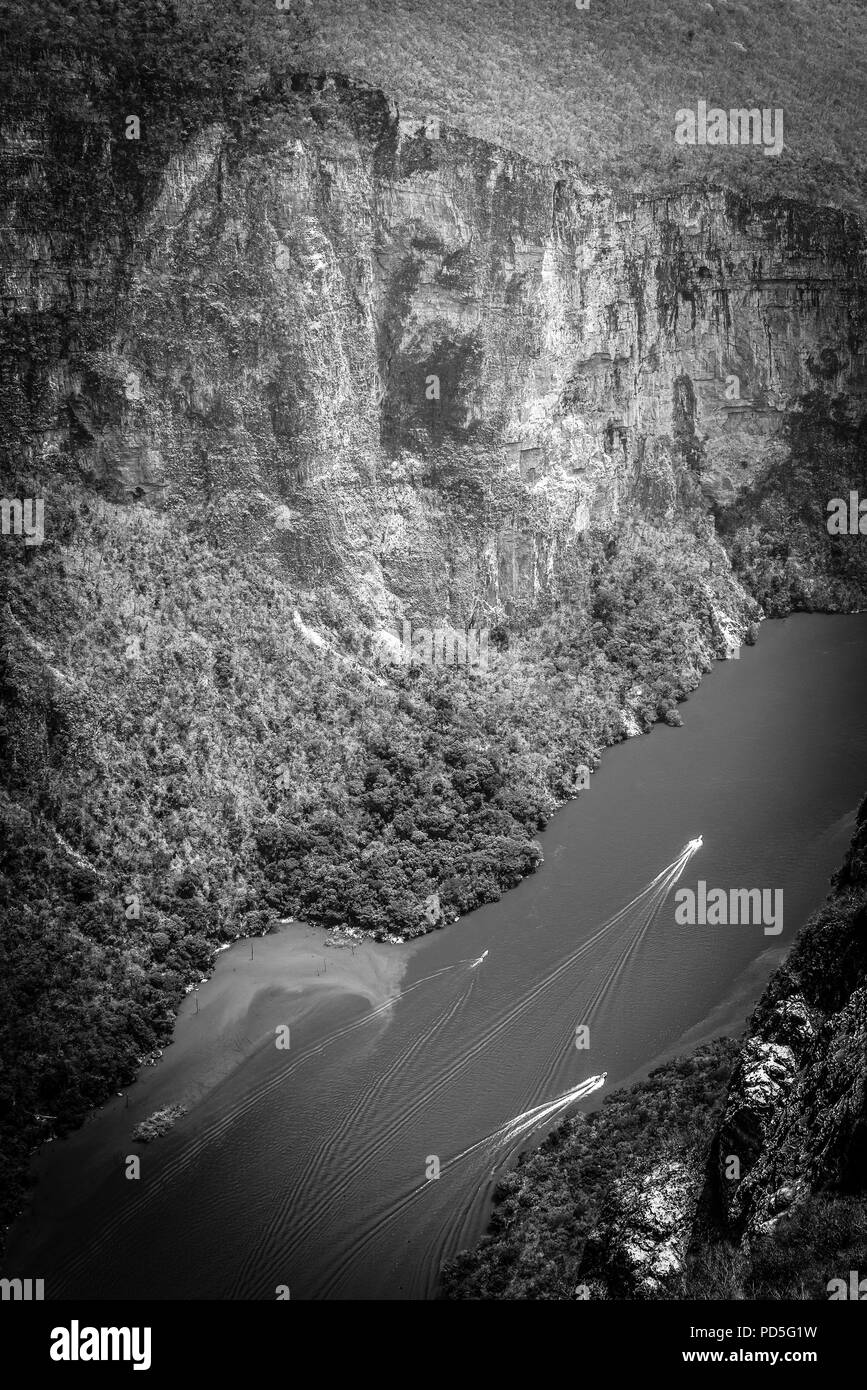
(284, 375)
(397, 355)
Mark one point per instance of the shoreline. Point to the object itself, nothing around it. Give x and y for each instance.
(292, 961)
(206, 1048)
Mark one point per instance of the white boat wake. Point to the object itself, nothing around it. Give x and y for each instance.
(643, 908)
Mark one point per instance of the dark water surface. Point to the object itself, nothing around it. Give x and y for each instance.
(308, 1168)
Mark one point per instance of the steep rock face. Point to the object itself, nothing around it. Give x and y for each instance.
(796, 1114)
(402, 355)
(769, 1146)
(321, 347)
(654, 1211)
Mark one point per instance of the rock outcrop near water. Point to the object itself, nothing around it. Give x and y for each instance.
(796, 1113)
(749, 1178)
(288, 369)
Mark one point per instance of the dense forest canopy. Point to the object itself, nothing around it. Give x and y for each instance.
(181, 764)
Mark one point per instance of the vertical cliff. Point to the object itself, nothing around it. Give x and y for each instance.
(370, 345)
(287, 369)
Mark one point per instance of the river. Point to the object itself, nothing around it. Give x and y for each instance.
(311, 1171)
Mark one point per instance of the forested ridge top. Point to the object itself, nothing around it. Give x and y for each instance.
(599, 87)
(181, 764)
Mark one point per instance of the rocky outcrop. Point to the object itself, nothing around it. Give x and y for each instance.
(605, 1208)
(757, 1136)
(326, 368)
(390, 352)
(795, 1120)
(654, 1212)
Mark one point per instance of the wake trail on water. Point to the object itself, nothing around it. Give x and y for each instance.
(491, 1146)
(587, 1008)
(646, 904)
(491, 1035)
(655, 890)
(313, 1204)
(74, 1266)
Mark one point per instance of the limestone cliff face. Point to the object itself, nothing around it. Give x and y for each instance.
(400, 355)
(354, 364)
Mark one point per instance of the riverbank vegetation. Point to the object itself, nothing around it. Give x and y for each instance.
(554, 1228)
(820, 1240)
(569, 1217)
(183, 764)
(636, 1201)
(181, 761)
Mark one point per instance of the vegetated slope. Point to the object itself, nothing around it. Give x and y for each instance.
(182, 764)
(603, 1206)
(600, 86)
(738, 1172)
(795, 1117)
(214, 369)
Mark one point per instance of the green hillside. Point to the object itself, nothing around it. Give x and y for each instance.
(601, 86)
